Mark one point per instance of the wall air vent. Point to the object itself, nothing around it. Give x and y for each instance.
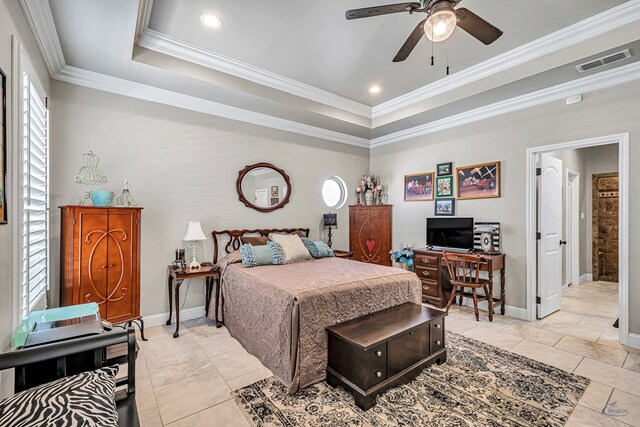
(605, 60)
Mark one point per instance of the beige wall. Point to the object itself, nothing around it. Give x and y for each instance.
(506, 138)
(12, 23)
(182, 164)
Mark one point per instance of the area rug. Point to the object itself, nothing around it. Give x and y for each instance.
(479, 385)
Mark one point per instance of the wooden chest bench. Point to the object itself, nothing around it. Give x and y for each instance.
(390, 347)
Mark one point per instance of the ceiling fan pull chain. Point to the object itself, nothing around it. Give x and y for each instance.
(432, 58)
(447, 57)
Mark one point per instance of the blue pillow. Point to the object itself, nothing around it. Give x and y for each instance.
(276, 252)
(253, 256)
(323, 248)
(311, 247)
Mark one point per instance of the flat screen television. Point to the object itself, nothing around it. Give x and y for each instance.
(450, 233)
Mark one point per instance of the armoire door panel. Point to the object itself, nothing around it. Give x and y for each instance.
(370, 233)
(92, 259)
(120, 278)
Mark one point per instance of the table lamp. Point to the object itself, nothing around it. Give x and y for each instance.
(330, 220)
(193, 235)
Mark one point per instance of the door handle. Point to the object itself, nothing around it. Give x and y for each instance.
(563, 242)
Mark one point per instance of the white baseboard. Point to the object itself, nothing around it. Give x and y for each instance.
(509, 310)
(586, 278)
(161, 319)
(634, 340)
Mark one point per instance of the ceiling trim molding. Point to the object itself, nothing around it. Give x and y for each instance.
(599, 81)
(103, 82)
(42, 24)
(40, 19)
(168, 45)
(586, 29)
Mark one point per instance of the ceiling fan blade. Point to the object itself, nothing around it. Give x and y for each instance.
(381, 10)
(411, 43)
(477, 27)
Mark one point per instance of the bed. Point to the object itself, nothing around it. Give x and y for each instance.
(279, 312)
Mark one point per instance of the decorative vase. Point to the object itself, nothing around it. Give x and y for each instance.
(368, 197)
(101, 198)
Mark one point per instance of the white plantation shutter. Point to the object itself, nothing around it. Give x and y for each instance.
(35, 197)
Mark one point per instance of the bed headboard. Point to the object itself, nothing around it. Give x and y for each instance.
(233, 238)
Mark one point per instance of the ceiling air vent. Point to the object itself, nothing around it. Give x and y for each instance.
(605, 60)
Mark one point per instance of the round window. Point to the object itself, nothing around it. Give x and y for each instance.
(334, 192)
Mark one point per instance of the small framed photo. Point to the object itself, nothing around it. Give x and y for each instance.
(418, 187)
(445, 169)
(275, 191)
(274, 201)
(480, 181)
(444, 186)
(445, 207)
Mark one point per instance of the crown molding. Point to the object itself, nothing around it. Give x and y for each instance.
(162, 43)
(586, 29)
(103, 82)
(602, 80)
(40, 19)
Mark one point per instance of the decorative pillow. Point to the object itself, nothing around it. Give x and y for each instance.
(253, 256)
(85, 399)
(276, 252)
(311, 247)
(293, 249)
(254, 240)
(324, 249)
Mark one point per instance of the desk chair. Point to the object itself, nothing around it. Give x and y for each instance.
(464, 270)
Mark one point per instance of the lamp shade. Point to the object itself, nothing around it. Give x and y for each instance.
(330, 220)
(194, 232)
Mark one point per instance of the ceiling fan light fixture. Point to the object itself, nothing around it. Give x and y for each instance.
(441, 23)
(211, 21)
(375, 89)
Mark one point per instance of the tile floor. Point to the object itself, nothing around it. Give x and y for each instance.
(188, 381)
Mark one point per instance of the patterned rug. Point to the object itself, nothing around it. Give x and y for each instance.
(479, 385)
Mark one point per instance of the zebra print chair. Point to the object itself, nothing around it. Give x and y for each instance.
(95, 345)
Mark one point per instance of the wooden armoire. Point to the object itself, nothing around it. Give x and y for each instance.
(370, 233)
(100, 260)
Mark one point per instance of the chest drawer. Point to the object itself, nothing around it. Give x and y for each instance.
(430, 273)
(407, 349)
(376, 365)
(437, 335)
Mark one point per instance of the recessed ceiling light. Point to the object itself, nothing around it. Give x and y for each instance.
(211, 21)
(375, 89)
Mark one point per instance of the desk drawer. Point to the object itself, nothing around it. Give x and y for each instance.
(427, 260)
(428, 273)
(430, 287)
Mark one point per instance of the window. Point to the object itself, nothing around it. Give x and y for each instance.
(334, 192)
(34, 236)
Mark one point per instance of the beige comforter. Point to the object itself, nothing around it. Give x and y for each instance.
(279, 312)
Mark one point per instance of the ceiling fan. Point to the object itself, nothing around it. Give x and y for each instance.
(442, 18)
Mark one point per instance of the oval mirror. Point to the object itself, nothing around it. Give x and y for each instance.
(263, 187)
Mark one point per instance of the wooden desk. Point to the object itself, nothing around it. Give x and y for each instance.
(431, 268)
(179, 275)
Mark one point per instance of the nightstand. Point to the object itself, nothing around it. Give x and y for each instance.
(343, 254)
(179, 275)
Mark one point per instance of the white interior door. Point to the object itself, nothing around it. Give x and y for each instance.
(550, 229)
(573, 223)
(261, 198)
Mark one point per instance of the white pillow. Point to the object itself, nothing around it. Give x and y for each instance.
(293, 249)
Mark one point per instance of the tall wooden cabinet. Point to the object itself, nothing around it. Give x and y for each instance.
(370, 233)
(100, 260)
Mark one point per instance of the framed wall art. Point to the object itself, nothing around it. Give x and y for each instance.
(445, 207)
(418, 187)
(3, 148)
(444, 186)
(445, 169)
(480, 181)
(275, 191)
